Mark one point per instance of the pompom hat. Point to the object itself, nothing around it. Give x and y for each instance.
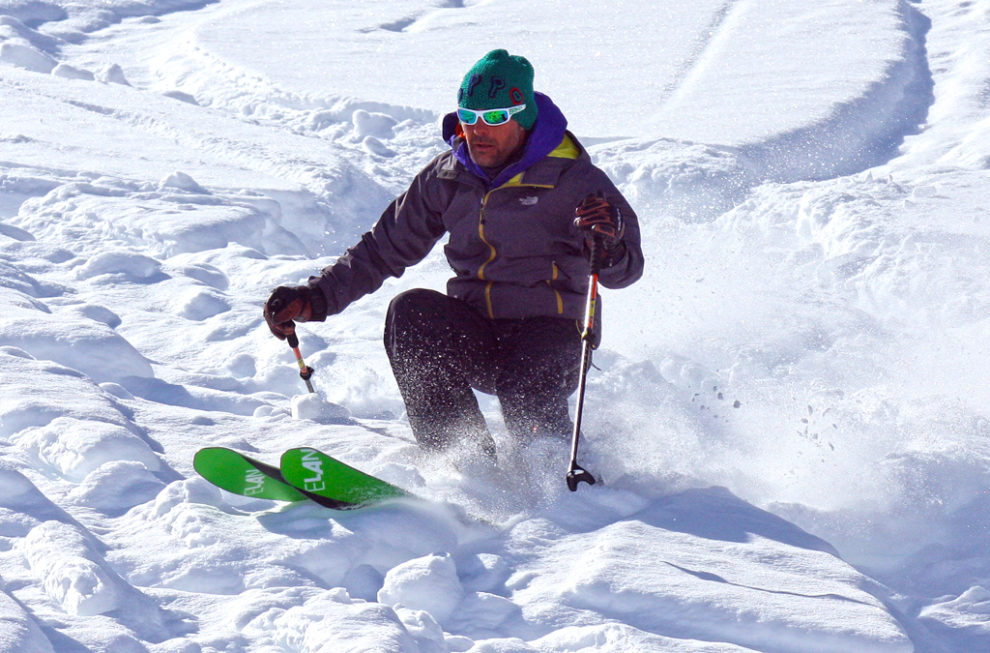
(499, 80)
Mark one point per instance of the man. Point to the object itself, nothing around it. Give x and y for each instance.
(522, 203)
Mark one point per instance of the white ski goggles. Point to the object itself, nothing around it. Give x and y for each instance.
(493, 117)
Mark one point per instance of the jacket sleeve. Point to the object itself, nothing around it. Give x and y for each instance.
(404, 234)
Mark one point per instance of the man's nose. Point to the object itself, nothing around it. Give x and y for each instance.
(480, 128)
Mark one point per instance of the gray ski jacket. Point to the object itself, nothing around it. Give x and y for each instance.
(512, 244)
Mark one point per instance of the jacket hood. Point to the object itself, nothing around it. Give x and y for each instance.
(546, 134)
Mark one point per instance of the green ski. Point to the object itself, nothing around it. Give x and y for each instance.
(316, 473)
(235, 472)
(238, 473)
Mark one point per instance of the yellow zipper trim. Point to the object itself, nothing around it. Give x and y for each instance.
(491, 255)
(481, 234)
(488, 299)
(553, 277)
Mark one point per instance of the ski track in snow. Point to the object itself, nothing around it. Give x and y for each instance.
(704, 40)
(791, 426)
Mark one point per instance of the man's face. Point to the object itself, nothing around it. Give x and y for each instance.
(490, 146)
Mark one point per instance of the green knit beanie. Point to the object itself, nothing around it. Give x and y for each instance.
(497, 81)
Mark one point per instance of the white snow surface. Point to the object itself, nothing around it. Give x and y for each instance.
(790, 416)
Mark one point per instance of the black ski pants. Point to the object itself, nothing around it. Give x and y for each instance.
(440, 348)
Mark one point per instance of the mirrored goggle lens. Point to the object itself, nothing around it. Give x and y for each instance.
(467, 116)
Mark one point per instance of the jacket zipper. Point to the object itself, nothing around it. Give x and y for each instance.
(491, 255)
(554, 274)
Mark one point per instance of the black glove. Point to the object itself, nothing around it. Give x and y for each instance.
(602, 222)
(285, 305)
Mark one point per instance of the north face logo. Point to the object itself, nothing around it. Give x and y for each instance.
(529, 201)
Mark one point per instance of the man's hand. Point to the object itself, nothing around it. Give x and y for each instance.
(600, 221)
(285, 305)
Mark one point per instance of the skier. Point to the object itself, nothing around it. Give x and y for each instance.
(521, 202)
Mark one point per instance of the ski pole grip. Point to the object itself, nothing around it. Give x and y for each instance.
(594, 260)
(292, 339)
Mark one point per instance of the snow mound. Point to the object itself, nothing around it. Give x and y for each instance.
(430, 584)
(89, 346)
(658, 570)
(312, 406)
(77, 447)
(23, 54)
(18, 631)
(71, 571)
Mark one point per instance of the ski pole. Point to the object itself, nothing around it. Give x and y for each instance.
(305, 371)
(575, 473)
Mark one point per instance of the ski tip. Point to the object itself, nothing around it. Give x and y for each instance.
(240, 474)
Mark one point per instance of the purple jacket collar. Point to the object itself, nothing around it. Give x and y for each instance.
(544, 137)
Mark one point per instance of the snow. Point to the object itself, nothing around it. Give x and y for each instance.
(789, 416)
